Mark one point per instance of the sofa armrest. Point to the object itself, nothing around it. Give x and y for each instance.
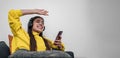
(4, 50)
(70, 53)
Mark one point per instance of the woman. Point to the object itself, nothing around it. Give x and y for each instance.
(32, 43)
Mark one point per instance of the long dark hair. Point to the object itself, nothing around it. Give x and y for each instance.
(33, 46)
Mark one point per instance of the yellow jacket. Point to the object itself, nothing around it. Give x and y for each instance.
(21, 38)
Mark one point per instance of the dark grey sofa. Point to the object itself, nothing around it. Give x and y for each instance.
(5, 52)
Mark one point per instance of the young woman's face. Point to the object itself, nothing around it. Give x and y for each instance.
(38, 25)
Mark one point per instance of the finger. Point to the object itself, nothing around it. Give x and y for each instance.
(45, 11)
(59, 46)
(59, 37)
(41, 9)
(58, 40)
(46, 14)
(57, 43)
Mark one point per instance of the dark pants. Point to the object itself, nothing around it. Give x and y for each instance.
(42, 54)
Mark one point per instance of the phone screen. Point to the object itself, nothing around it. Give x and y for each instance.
(59, 34)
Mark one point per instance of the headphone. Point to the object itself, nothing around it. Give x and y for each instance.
(30, 23)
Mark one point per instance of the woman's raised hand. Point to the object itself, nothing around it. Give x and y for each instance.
(42, 12)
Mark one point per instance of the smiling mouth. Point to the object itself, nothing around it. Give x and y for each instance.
(40, 27)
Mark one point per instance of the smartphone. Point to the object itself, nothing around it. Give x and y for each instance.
(58, 35)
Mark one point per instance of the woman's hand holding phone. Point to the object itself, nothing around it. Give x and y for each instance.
(57, 41)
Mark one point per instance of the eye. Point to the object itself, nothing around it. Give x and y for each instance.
(42, 22)
(39, 21)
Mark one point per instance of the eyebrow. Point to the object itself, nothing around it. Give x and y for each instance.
(39, 21)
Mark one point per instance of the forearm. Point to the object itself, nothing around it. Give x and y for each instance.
(34, 11)
(28, 11)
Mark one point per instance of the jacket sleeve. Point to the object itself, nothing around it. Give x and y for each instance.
(20, 36)
(14, 20)
(51, 43)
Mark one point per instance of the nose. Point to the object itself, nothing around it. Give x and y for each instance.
(41, 23)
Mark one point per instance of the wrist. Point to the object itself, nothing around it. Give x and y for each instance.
(36, 11)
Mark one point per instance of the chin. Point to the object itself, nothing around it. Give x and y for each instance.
(40, 31)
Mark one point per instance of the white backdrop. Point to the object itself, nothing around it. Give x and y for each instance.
(91, 28)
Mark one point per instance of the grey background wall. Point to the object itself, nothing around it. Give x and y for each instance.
(91, 27)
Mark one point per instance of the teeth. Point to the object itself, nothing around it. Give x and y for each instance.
(39, 27)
